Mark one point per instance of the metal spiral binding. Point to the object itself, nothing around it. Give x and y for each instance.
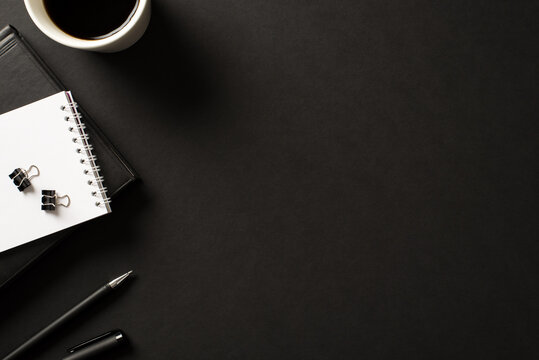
(86, 147)
(81, 138)
(77, 127)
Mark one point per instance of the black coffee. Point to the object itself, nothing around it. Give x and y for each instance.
(90, 19)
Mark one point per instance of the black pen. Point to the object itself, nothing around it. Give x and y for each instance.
(96, 346)
(99, 293)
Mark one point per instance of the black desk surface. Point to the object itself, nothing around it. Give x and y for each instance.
(321, 180)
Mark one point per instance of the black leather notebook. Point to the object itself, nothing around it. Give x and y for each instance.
(24, 78)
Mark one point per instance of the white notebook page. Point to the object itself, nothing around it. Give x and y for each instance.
(37, 134)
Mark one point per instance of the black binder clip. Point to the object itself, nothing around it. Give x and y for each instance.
(49, 200)
(97, 346)
(21, 177)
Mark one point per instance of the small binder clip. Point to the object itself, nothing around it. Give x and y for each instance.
(21, 177)
(49, 200)
(97, 346)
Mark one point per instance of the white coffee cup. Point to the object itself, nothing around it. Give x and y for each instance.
(120, 40)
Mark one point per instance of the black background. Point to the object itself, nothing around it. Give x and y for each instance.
(321, 180)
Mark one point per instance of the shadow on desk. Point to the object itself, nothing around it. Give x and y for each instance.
(167, 67)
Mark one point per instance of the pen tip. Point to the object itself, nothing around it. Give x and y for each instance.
(119, 279)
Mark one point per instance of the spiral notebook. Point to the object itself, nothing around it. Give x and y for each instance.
(50, 135)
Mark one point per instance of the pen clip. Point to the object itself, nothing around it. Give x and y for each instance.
(93, 341)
